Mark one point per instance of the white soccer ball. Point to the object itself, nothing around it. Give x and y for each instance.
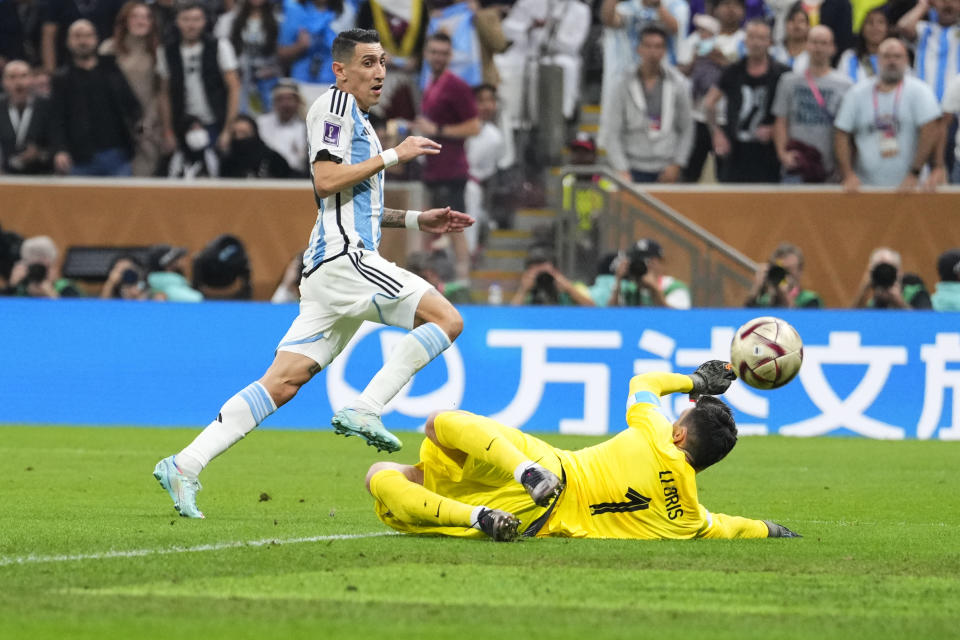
(766, 353)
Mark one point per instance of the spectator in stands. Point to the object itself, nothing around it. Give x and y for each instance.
(432, 267)
(542, 283)
(306, 35)
(623, 21)
(221, 271)
(717, 42)
(542, 33)
(449, 115)
(134, 45)
(127, 280)
(37, 275)
(41, 83)
(835, 14)
(252, 29)
(893, 119)
(778, 282)
(195, 156)
(24, 123)
(165, 274)
(283, 129)
(199, 75)
(885, 286)
(288, 290)
(651, 120)
(93, 111)
(484, 151)
(792, 52)
(946, 297)
(57, 17)
(248, 157)
(937, 43)
(640, 280)
(860, 61)
(745, 142)
(402, 25)
(456, 20)
(951, 109)
(805, 105)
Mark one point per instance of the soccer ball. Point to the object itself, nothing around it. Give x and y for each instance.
(766, 353)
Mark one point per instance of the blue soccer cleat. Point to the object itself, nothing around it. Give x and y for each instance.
(182, 489)
(367, 425)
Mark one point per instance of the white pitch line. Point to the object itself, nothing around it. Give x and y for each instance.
(137, 553)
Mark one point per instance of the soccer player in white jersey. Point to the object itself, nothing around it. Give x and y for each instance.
(345, 281)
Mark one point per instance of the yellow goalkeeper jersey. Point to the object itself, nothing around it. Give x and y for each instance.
(638, 484)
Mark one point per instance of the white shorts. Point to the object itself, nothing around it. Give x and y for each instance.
(337, 297)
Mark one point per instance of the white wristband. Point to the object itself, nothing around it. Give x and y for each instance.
(389, 158)
(412, 220)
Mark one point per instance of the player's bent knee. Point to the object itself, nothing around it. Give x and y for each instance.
(411, 473)
(452, 324)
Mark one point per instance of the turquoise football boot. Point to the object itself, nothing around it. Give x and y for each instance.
(367, 425)
(182, 489)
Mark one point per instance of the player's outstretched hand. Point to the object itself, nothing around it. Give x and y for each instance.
(713, 377)
(413, 146)
(444, 220)
(779, 531)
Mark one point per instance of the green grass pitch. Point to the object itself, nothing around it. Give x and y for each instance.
(90, 547)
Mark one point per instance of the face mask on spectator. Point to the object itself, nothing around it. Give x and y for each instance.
(197, 139)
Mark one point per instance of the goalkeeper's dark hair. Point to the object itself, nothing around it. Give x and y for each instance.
(347, 41)
(711, 432)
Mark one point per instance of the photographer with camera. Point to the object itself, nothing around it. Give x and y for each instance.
(885, 286)
(777, 282)
(542, 283)
(639, 280)
(35, 274)
(127, 280)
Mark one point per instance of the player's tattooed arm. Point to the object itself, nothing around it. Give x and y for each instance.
(393, 218)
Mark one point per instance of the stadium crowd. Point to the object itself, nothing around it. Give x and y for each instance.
(858, 92)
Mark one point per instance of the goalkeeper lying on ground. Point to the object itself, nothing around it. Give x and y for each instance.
(478, 477)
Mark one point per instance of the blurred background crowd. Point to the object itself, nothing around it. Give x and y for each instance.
(851, 92)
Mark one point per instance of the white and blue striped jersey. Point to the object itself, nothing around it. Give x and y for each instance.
(855, 68)
(340, 132)
(937, 57)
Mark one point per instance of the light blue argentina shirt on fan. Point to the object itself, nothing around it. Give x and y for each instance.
(937, 57)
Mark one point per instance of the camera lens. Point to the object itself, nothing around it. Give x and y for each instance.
(883, 275)
(776, 274)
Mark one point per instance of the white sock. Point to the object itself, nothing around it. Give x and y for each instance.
(523, 466)
(238, 417)
(411, 354)
(475, 517)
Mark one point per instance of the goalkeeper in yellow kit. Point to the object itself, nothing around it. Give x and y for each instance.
(477, 477)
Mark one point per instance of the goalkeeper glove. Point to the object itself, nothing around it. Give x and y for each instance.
(713, 377)
(775, 530)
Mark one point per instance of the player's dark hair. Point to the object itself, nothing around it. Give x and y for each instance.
(347, 41)
(711, 432)
(652, 29)
(440, 36)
